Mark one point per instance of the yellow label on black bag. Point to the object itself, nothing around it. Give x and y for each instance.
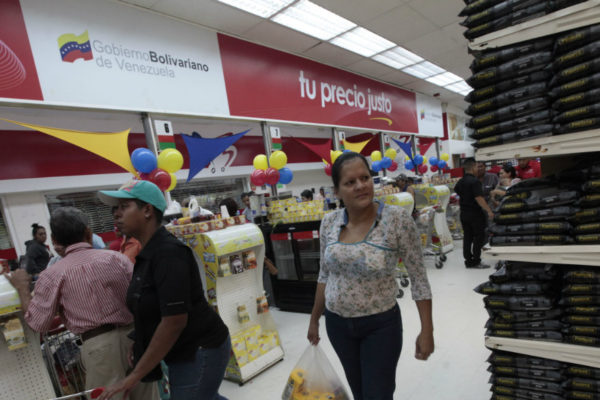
(588, 227)
(580, 319)
(550, 238)
(570, 56)
(479, 28)
(484, 118)
(501, 389)
(487, 60)
(570, 38)
(581, 68)
(498, 303)
(583, 339)
(505, 370)
(506, 381)
(485, 91)
(575, 84)
(503, 359)
(579, 371)
(572, 98)
(588, 238)
(582, 123)
(512, 206)
(576, 112)
(584, 330)
(485, 104)
(549, 225)
(581, 395)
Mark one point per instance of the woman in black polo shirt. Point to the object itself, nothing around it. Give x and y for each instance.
(173, 321)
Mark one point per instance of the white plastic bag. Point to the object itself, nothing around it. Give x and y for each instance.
(313, 378)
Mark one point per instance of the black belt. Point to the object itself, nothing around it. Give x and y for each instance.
(92, 333)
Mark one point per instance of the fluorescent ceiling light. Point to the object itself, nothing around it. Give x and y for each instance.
(262, 8)
(313, 20)
(398, 57)
(447, 78)
(363, 42)
(460, 87)
(423, 70)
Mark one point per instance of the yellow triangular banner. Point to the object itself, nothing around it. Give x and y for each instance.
(110, 145)
(356, 147)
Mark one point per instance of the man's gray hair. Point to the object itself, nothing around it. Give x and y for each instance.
(69, 225)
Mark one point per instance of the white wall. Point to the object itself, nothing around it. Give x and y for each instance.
(20, 210)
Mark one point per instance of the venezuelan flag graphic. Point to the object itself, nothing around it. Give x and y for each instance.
(73, 47)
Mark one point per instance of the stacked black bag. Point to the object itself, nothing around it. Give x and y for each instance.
(486, 16)
(582, 382)
(587, 220)
(576, 83)
(581, 303)
(510, 100)
(521, 300)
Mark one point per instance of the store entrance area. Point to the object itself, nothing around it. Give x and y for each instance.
(457, 368)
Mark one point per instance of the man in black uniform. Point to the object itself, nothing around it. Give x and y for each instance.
(473, 209)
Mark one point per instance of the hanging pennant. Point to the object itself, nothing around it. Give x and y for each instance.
(405, 147)
(356, 147)
(323, 150)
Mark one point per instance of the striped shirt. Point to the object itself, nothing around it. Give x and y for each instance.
(87, 288)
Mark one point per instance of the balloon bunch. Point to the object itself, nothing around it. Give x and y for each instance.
(419, 163)
(161, 170)
(276, 173)
(384, 161)
(334, 154)
(440, 164)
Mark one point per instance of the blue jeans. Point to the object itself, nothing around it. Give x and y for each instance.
(200, 378)
(369, 349)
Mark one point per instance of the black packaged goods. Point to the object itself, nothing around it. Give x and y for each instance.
(531, 240)
(497, 11)
(531, 184)
(546, 325)
(522, 361)
(587, 228)
(581, 288)
(495, 57)
(583, 340)
(520, 66)
(576, 56)
(583, 310)
(543, 215)
(524, 271)
(530, 288)
(539, 374)
(592, 186)
(531, 132)
(523, 316)
(506, 98)
(580, 300)
(544, 201)
(582, 276)
(478, 5)
(536, 118)
(583, 371)
(578, 126)
(590, 200)
(576, 38)
(524, 393)
(508, 84)
(577, 395)
(576, 100)
(586, 385)
(509, 112)
(575, 72)
(592, 238)
(593, 331)
(519, 303)
(496, 396)
(590, 320)
(531, 384)
(576, 86)
(587, 215)
(560, 4)
(531, 229)
(578, 113)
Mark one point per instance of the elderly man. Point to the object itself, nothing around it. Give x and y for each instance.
(88, 289)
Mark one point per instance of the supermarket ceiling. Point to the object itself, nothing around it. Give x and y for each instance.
(428, 28)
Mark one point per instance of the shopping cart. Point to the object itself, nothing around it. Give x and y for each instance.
(430, 242)
(60, 349)
(88, 394)
(453, 218)
(402, 278)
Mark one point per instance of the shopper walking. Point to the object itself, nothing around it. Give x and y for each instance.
(360, 248)
(473, 210)
(87, 288)
(36, 251)
(173, 321)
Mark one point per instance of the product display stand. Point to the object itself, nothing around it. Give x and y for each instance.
(439, 195)
(232, 261)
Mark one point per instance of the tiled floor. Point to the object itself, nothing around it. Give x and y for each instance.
(456, 370)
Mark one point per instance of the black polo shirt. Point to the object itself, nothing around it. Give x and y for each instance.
(469, 187)
(165, 282)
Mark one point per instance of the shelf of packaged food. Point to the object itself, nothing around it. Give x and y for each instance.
(581, 355)
(573, 17)
(570, 143)
(572, 254)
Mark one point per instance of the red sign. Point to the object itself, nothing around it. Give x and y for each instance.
(18, 75)
(265, 83)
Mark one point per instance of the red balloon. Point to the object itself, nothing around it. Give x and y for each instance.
(272, 176)
(160, 178)
(258, 177)
(423, 168)
(144, 176)
(328, 170)
(393, 167)
(433, 168)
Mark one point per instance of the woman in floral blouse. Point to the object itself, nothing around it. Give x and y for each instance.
(360, 248)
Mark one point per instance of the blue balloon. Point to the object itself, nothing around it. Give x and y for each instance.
(347, 151)
(386, 162)
(285, 175)
(418, 160)
(376, 166)
(433, 161)
(409, 164)
(143, 160)
(442, 164)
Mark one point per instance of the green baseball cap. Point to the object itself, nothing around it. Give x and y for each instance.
(145, 191)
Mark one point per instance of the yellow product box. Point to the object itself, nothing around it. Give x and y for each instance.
(251, 335)
(264, 344)
(304, 395)
(242, 358)
(294, 387)
(14, 334)
(238, 343)
(253, 351)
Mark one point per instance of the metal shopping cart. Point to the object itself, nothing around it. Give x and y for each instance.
(453, 218)
(430, 242)
(402, 278)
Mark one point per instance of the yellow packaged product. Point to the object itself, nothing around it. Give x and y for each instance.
(238, 343)
(295, 386)
(242, 358)
(253, 351)
(264, 344)
(304, 395)
(14, 334)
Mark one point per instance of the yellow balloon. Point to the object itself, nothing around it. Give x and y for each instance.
(334, 155)
(260, 162)
(376, 155)
(445, 156)
(425, 159)
(406, 158)
(278, 159)
(391, 153)
(173, 182)
(170, 160)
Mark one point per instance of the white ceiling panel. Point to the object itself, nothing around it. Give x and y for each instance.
(370, 68)
(456, 61)
(332, 55)
(398, 78)
(278, 36)
(432, 44)
(360, 11)
(440, 12)
(401, 24)
(455, 31)
(141, 3)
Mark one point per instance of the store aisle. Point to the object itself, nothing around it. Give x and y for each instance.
(457, 369)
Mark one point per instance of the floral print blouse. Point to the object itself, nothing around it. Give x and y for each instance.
(360, 277)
